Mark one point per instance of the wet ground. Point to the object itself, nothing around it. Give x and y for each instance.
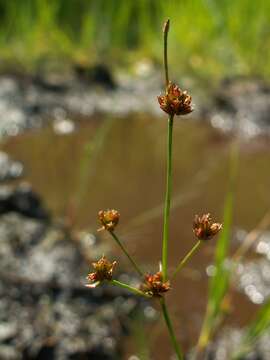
(81, 164)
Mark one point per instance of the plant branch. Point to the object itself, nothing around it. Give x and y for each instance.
(186, 258)
(129, 288)
(136, 267)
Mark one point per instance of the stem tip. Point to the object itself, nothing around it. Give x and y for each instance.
(166, 26)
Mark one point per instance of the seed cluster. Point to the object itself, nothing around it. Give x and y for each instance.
(109, 219)
(204, 228)
(154, 285)
(175, 101)
(103, 271)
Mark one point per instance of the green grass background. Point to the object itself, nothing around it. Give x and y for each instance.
(215, 38)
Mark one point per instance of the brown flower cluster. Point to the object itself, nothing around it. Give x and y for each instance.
(154, 285)
(175, 101)
(204, 228)
(109, 219)
(103, 271)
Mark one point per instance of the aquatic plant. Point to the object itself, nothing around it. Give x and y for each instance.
(174, 102)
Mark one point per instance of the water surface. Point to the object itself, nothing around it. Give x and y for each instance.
(120, 163)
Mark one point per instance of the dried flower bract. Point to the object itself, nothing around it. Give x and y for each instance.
(154, 286)
(109, 219)
(103, 271)
(175, 101)
(204, 228)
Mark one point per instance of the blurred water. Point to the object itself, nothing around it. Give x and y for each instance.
(119, 163)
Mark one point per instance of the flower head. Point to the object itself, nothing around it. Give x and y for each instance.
(154, 286)
(109, 219)
(204, 228)
(103, 271)
(175, 101)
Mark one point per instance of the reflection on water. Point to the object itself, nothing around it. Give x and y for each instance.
(120, 163)
(254, 279)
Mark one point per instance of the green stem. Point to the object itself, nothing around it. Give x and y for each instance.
(129, 288)
(186, 258)
(167, 200)
(165, 32)
(170, 329)
(136, 267)
(213, 315)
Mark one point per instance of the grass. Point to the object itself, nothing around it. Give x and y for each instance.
(219, 283)
(208, 37)
(254, 331)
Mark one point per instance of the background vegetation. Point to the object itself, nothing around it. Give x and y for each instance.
(208, 37)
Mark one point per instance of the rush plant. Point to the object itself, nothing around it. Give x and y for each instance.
(174, 102)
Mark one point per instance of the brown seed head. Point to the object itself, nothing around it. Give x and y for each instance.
(175, 101)
(154, 286)
(109, 219)
(103, 271)
(204, 228)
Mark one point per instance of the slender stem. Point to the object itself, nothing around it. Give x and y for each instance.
(129, 288)
(170, 329)
(167, 204)
(136, 267)
(165, 32)
(187, 257)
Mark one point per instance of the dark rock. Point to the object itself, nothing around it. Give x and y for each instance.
(46, 352)
(22, 200)
(98, 74)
